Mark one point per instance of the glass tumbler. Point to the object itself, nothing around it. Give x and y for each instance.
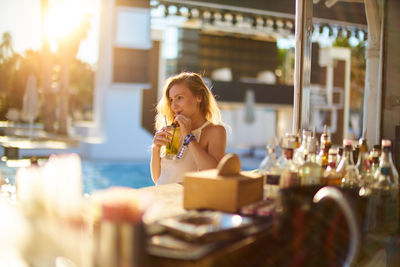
(172, 148)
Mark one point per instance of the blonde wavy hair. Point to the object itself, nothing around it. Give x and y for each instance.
(196, 85)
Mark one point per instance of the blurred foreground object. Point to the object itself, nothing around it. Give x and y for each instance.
(119, 234)
(65, 227)
(51, 201)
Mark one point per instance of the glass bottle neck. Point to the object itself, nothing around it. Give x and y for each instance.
(271, 153)
(386, 157)
(363, 161)
(348, 156)
(303, 143)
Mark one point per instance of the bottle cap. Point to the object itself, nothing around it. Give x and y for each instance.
(386, 142)
(347, 142)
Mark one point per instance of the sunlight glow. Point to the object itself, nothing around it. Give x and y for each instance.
(63, 18)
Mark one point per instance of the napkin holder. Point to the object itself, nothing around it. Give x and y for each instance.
(226, 188)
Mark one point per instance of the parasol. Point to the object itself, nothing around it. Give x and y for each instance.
(30, 108)
(249, 112)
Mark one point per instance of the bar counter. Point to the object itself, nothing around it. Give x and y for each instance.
(260, 247)
(254, 250)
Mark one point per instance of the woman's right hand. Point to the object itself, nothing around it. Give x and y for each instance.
(162, 138)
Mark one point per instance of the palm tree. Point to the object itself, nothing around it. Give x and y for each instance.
(68, 48)
(49, 98)
(6, 49)
(8, 62)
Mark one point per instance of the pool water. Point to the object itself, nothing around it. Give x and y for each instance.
(102, 175)
(97, 175)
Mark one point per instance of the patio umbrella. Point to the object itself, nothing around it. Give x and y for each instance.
(30, 108)
(249, 113)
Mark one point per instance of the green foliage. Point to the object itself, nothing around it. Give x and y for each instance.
(341, 41)
(283, 64)
(358, 66)
(282, 54)
(28, 63)
(15, 69)
(359, 52)
(81, 84)
(6, 49)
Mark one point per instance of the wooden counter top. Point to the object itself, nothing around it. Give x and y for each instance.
(166, 201)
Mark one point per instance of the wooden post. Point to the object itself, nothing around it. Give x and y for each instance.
(48, 108)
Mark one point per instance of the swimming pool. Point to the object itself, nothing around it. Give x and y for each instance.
(102, 175)
(98, 175)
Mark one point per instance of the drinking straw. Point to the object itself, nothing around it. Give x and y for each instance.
(172, 138)
(173, 133)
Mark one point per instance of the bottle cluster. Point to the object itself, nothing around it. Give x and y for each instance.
(302, 163)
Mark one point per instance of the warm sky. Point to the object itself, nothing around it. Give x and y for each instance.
(22, 19)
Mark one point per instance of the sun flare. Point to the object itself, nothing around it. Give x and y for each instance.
(63, 18)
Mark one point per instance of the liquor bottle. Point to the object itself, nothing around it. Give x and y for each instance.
(346, 168)
(386, 188)
(330, 175)
(374, 158)
(356, 150)
(268, 161)
(311, 172)
(290, 175)
(386, 193)
(297, 139)
(363, 164)
(339, 155)
(301, 152)
(282, 157)
(272, 173)
(387, 161)
(322, 158)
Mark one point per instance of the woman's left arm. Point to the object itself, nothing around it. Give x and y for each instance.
(208, 157)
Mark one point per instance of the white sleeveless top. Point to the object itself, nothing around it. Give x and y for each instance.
(172, 171)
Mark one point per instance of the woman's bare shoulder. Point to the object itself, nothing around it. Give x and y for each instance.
(215, 131)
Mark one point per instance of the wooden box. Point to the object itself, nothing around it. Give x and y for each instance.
(225, 188)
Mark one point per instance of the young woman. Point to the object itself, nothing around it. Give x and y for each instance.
(188, 102)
